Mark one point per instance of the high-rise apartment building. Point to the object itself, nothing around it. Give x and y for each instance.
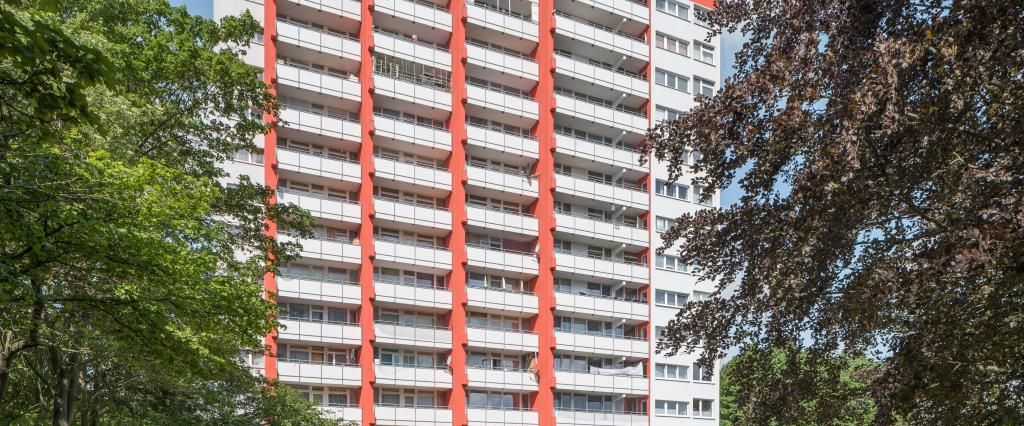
(484, 229)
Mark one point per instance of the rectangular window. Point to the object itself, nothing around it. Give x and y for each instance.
(661, 224)
(703, 53)
(700, 296)
(672, 44)
(702, 407)
(670, 263)
(665, 114)
(673, 8)
(673, 190)
(701, 374)
(702, 87)
(670, 408)
(671, 80)
(671, 372)
(669, 298)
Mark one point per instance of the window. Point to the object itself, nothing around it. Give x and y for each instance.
(661, 113)
(671, 44)
(702, 87)
(700, 296)
(702, 407)
(673, 190)
(701, 374)
(670, 408)
(673, 8)
(669, 298)
(669, 79)
(671, 372)
(661, 224)
(563, 246)
(670, 263)
(703, 53)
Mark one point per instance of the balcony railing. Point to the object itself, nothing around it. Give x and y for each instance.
(604, 258)
(601, 296)
(563, 15)
(638, 224)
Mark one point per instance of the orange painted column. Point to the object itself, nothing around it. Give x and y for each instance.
(270, 165)
(544, 326)
(367, 294)
(457, 206)
(651, 255)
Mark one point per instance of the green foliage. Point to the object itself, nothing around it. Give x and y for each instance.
(848, 402)
(129, 273)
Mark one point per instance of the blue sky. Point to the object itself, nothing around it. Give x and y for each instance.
(730, 44)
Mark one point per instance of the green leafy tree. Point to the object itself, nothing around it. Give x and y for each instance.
(129, 273)
(878, 147)
(848, 402)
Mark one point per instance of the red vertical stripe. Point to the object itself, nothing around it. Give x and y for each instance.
(366, 224)
(544, 325)
(457, 206)
(270, 162)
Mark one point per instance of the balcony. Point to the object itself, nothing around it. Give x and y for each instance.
(616, 118)
(321, 289)
(321, 206)
(502, 339)
(318, 39)
(416, 89)
(348, 412)
(413, 335)
(502, 379)
(346, 8)
(413, 416)
(602, 306)
(600, 418)
(416, 51)
(504, 260)
(618, 194)
(326, 249)
(620, 232)
(611, 269)
(420, 12)
(387, 291)
(604, 344)
(320, 123)
(295, 371)
(502, 300)
(317, 165)
(411, 132)
(619, 80)
(503, 62)
(411, 253)
(502, 141)
(413, 214)
(501, 21)
(506, 102)
(318, 81)
(636, 11)
(500, 180)
(319, 331)
(500, 220)
(608, 154)
(600, 36)
(591, 382)
(502, 417)
(412, 173)
(413, 376)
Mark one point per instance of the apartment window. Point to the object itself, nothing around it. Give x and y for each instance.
(563, 246)
(701, 374)
(676, 9)
(703, 53)
(700, 296)
(670, 408)
(702, 407)
(665, 114)
(669, 298)
(673, 190)
(669, 79)
(671, 44)
(702, 87)
(670, 263)
(661, 224)
(659, 332)
(671, 372)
